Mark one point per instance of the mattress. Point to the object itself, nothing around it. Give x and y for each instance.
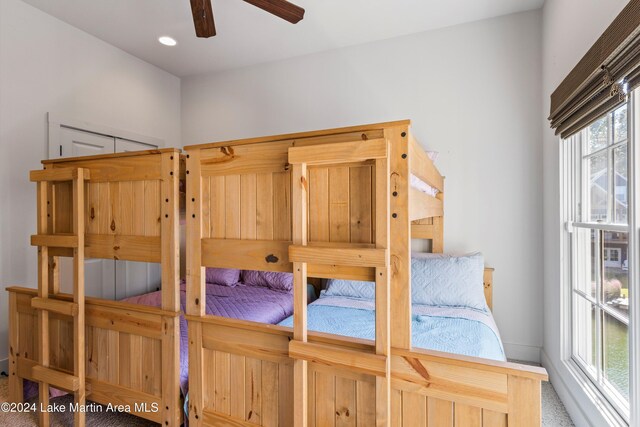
(422, 186)
(254, 303)
(461, 331)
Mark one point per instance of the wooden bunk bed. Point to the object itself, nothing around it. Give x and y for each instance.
(329, 204)
(118, 206)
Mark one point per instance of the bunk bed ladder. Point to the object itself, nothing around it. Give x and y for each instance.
(46, 238)
(301, 254)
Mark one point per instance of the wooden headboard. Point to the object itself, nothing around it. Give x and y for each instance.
(488, 286)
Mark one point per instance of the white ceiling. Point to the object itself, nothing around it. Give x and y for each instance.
(248, 35)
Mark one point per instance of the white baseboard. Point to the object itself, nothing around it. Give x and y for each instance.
(4, 366)
(526, 353)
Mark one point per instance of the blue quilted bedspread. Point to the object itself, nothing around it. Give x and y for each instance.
(461, 331)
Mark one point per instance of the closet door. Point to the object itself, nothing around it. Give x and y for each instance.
(74, 143)
(135, 278)
(99, 273)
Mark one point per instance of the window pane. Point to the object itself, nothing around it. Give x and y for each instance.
(584, 330)
(615, 289)
(616, 354)
(620, 124)
(620, 171)
(598, 135)
(598, 187)
(585, 261)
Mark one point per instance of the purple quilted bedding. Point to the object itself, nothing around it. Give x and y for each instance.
(255, 303)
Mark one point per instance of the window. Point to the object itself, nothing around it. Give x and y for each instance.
(598, 225)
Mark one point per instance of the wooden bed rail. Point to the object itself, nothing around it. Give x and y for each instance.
(433, 388)
(131, 352)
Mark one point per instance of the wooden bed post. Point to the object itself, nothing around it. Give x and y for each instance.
(16, 393)
(170, 232)
(195, 286)
(43, 292)
(400, 229)
(383, 305)
(78, 296)
(299, 224)
(170, 249)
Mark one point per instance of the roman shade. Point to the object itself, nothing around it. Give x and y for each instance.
(599, 82)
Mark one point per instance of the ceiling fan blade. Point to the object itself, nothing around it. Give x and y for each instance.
(281, 8)
(203, 18)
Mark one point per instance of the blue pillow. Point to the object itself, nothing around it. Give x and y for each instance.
(350, 289)
(448, 280)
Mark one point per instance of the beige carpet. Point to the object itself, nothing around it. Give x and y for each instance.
(97, 419)
(553, 413)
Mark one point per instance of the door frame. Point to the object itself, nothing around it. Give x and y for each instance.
(56, 121)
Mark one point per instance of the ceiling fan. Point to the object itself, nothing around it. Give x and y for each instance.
(203, 13)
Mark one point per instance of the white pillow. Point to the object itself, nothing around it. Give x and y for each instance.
(448, 280)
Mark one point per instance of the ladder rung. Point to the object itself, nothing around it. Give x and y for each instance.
(324, 354)
(55, 378)
(359, 257)
(67, 308)
(55, 240)
(60, 174)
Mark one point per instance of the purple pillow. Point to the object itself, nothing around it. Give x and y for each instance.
(270, 279)
(222, 276)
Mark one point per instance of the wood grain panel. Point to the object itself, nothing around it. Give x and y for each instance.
(339, 204)
(232, 206)
(248, 212)
(206, 207)
(152, 357)
(366, 397)
(346, 402)
(126, 206)
(237, 380)
(253, 390)
(319, 204)
(93, 201)
(133, 168)
(138, 208)
(221, 401)
(218, 210)
(439, 412)
(414, 410)
(114, 207)
(360, 204)
(396, 407)
(104, 208)
(62, 207)
(208, 377)
(27, 345)
(285, 394)
(269, 394)
(325, 387)
(264, 206)
(152, 208)
(268, 255)
(493, 419)
(282, 206)
(467, 416)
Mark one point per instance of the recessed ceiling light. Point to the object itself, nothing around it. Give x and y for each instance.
(167, 41)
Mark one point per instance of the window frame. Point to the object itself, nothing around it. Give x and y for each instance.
(573, 192)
